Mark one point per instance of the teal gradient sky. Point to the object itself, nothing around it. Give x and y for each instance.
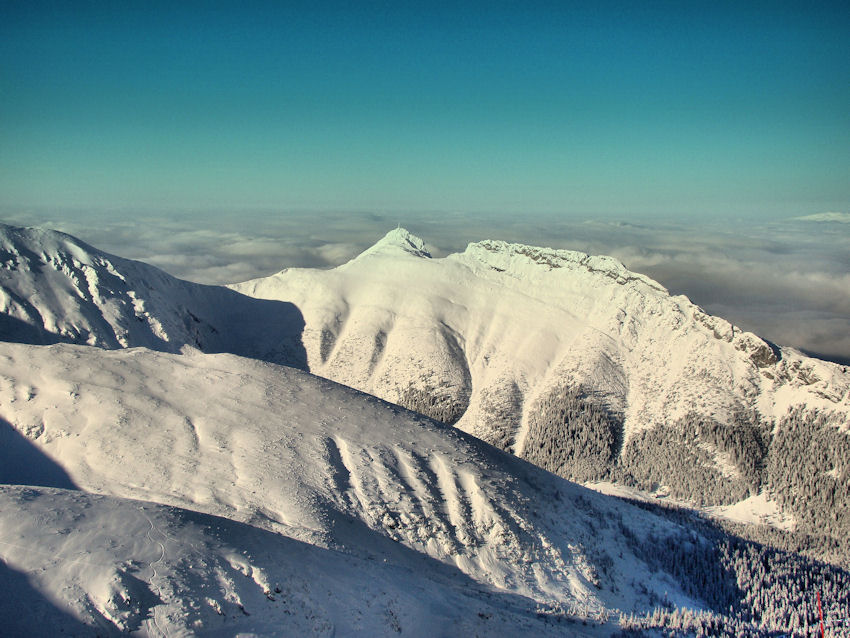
(591, 108)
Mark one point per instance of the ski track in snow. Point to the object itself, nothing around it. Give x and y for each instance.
(153, 565)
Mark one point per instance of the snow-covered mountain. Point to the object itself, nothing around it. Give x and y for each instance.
(53, 287)
(507, 320)
(568, 360)
(157, 493)
(90, 565)
(311, 482)
(202, 494)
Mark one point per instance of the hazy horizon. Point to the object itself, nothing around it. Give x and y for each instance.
(788, 280)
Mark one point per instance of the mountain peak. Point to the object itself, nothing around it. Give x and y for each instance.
(399, 240)
(25, 244)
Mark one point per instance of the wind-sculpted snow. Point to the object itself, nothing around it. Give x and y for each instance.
(218, 496)
(289, 453)
(155, 493)
(55, 288)
(483, 340)
(112, 566)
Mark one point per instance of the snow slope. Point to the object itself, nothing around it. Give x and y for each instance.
(480, 337)
(157, 493)
(100, 565)
(499, 340)
(419, 513)
(54, 287)
(477, 338)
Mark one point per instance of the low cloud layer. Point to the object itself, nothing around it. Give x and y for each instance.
(788, 281)
(831, 218)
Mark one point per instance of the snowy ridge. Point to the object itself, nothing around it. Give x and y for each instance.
(54, 287)
(501, 325)
(301, 457)
(502, 256)
(147, 569)
(569, 361)
(398, 242)
(158, 493)
(480, 339)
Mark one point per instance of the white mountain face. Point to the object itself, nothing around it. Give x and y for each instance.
(506, 319)
(116, 566)
(214, 492)
(54, 287)
(319, 490)
(506, 341)
(567, 360)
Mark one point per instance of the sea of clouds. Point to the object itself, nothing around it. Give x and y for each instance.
(787, 280)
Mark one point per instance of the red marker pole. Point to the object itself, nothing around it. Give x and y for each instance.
(820, 613)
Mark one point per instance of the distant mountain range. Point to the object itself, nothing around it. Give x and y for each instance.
(568, 360)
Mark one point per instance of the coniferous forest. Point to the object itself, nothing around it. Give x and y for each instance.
(757, 580)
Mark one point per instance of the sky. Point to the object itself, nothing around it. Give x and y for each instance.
(704, 144)
(602, 108)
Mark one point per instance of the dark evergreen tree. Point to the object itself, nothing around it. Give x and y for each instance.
(572, 435)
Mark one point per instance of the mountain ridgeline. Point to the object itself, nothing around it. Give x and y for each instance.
(567, 360)
(56, 289)
(581, 367)
(157, 483)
